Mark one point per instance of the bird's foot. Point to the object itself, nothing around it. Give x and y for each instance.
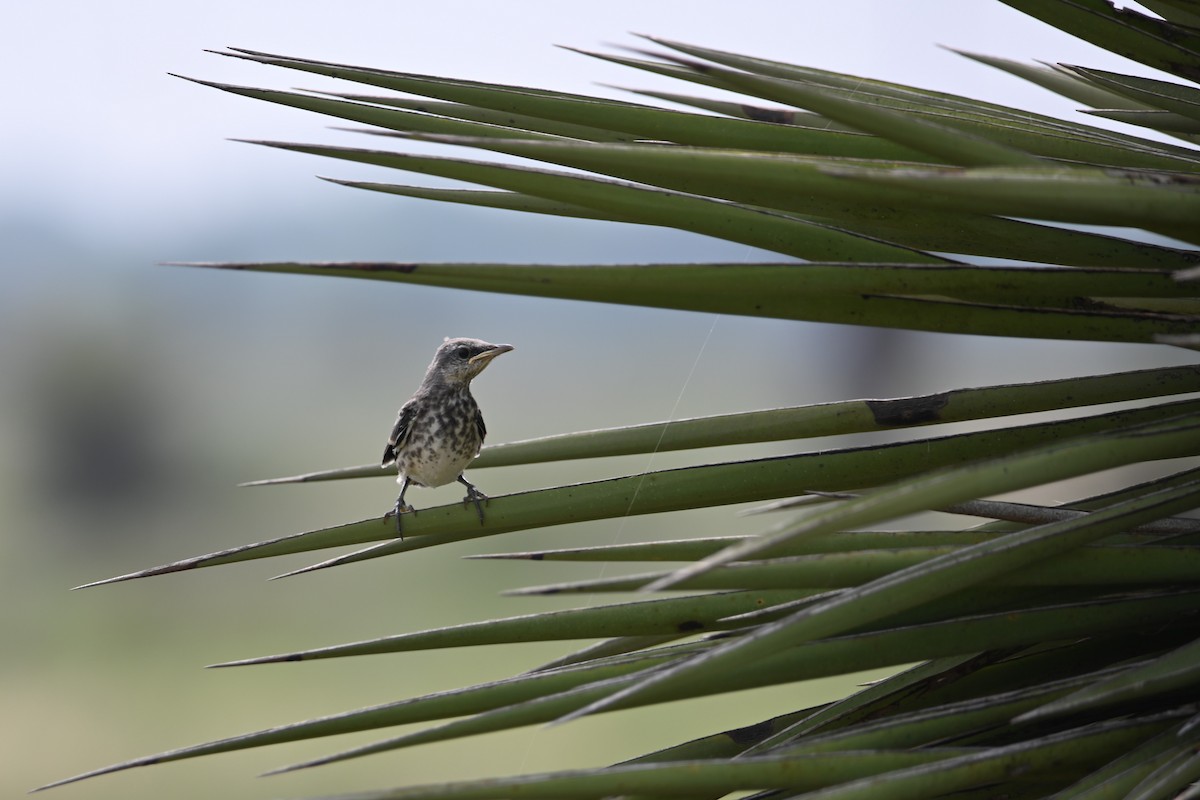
(397, 510)
(474, 496)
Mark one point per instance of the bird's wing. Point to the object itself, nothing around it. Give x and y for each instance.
(400, 432)
(479, 426)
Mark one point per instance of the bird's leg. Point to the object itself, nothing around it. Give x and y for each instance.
(400, 507)
(473, 495)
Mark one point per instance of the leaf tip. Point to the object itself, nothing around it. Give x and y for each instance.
(118, 579)
(280, 770)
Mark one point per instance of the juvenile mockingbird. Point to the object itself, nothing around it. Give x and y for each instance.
(440, 429)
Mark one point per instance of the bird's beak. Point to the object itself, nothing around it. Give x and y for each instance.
(488, 355)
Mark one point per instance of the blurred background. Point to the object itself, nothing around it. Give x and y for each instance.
(134, 397)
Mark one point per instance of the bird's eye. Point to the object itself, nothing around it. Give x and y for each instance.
(463, 352)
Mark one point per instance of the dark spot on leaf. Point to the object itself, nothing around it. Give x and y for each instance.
(750, 734)
(908, 410)
(760, 114)
(381, 266)
(293, 657)
(690, 625)
(1088, 304)
(1186, 70)
(537, 556)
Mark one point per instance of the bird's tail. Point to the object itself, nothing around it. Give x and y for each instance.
(389, 455)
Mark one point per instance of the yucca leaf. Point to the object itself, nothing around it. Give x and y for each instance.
(1035, 134)
(850, 541)
(1173, 97)
(538, 783)
(773, 231)
(1059, 81)
(887, 93)
(1171, 777)
(1176, 670)
(1115, 779)
(726, 744)
(684, 615)
(937, 488)
(835, 80)
(392, 118)
(796, 291)
(692, 549)
(876, 700)
(644, 122)
(1166, 121)
(486, 198)
(791, 234)
(1076, 750)
(1156, 201)
(909, 587)
(675, 779)
(891, 221)
(615, 646)
(945, 723)
(942, 143)
(539, 709)
(489, 117)
(1105, 322)
(780, 116)
(780, 290)
(1039, 131)
(802, 186)
(1155, 43)
(1112, 567)
(442, 705)
(1180, 12)
(814, 659)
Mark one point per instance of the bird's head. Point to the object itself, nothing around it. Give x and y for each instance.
(457, 361)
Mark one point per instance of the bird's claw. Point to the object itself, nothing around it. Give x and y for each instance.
(397, 510)
(474, 495)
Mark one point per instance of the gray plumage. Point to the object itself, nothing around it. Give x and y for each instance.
(440, 430)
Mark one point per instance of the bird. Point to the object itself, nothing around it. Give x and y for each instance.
(440, 429)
